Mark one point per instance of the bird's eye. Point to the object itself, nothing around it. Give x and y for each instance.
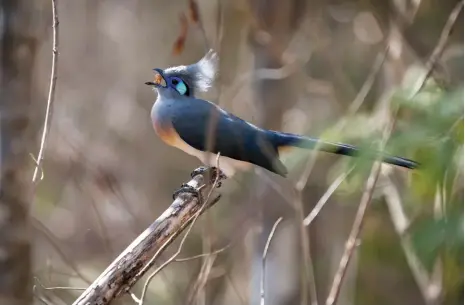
(180, 86)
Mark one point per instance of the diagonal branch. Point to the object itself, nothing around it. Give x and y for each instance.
(440, 46)
(351, 243)
(137, 258)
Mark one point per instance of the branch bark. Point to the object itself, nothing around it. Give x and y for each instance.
(141, 254)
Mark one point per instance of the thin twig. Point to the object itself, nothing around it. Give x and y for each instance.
(368, 84)
(201, 281)
(400, 222)
(320, 204)
(185, 259)
(173, 257)
(57, 287)
(40, 298)
(308, 273)
(438, 50)
(265, 252)
(51, 94)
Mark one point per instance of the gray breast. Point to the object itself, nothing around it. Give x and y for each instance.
(162, 111)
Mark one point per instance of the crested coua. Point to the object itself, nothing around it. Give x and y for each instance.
(203, 129)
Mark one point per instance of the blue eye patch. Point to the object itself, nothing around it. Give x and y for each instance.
(181, 88)
(179, 85)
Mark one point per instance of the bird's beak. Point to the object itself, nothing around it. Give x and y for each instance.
(159, 80)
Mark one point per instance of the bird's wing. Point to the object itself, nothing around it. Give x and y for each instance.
(229, 135)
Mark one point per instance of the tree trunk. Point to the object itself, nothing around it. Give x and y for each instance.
(16, 140)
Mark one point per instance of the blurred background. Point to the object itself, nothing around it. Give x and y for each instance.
(340, 70)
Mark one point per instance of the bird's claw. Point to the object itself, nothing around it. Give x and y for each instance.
(199, 171)
(214, 173)
(186, 188)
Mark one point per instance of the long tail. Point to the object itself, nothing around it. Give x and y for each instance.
(281, 140)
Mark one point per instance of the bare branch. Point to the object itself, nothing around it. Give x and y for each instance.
(265, 252)
(138, 257)
(437, 52)
(368, 84)
(51, 94)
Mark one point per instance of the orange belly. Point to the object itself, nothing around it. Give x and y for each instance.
(168, 135)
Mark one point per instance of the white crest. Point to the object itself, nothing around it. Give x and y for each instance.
(206, 70)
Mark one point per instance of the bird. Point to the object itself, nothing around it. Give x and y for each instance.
(204, 130)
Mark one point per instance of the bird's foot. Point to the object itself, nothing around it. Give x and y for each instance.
(215, 172)
(186, 188)
(199, 171)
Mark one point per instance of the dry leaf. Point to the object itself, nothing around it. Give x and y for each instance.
(178, 46)
(194, 11)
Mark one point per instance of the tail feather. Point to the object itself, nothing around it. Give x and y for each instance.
(281, 139)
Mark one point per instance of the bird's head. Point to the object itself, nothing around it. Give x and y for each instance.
(187, 80)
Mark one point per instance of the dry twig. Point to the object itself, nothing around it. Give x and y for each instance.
(401, 223)
(56, 287)
(308, 275)
(320, 204)
(185, 259)
(439, 48)
(51, 95)
(265, 252)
